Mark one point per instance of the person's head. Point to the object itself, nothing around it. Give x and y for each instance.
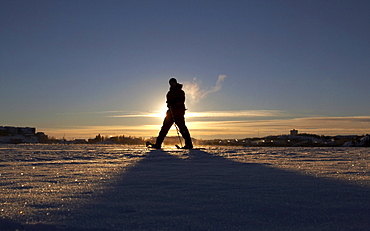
(173, 82)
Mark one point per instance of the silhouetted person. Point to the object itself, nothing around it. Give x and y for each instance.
(175, 114)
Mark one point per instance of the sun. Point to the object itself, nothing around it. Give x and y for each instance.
(161, 113)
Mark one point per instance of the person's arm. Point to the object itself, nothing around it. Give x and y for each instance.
(180, 98)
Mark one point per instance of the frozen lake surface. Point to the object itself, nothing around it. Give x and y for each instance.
(115, 187)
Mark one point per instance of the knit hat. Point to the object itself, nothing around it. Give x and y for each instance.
(172, 80)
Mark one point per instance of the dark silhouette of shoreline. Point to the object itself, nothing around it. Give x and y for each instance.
(18, 135)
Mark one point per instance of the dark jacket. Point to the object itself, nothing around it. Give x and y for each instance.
(176, 98)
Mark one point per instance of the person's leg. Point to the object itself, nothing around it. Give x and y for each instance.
(167, 123)
(180, 122)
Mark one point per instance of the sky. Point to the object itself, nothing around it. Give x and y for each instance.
(78, 68)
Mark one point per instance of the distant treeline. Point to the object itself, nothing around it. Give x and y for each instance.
(117, 140)
(300, 140)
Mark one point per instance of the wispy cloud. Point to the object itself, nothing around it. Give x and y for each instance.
(195, 93)
(234, 114)
(137, 115)
(250, 128)
(209, 114)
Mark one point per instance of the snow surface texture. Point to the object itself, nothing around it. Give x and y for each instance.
(92, 187)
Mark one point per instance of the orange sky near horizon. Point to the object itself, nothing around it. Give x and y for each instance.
(226, 129)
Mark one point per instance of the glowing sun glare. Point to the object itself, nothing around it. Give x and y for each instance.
(161, 113)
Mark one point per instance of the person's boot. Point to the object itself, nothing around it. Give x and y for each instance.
(188, 146)
(158, 142)
(156, 146)
(151, 145)
(187, 138)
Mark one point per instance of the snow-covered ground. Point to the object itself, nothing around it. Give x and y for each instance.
(114, 187)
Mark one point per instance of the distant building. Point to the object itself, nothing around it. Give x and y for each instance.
(17, 135)
(42, 137)
(13, 131)
(293, 132)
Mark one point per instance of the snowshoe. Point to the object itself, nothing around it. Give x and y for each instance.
(151, 145)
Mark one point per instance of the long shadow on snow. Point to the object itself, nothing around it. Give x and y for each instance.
(206, 192)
